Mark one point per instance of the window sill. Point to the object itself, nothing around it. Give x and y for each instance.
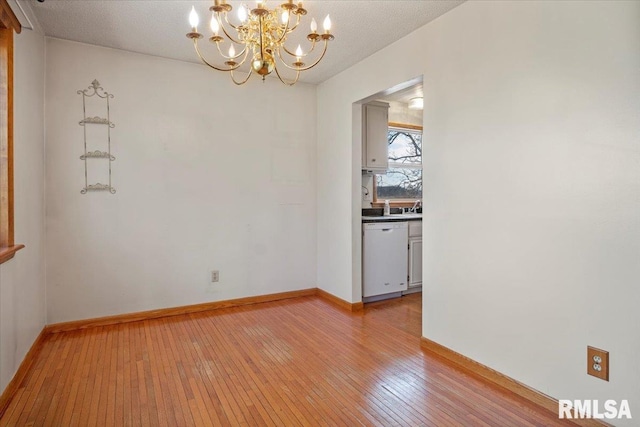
(395, 203)
(7, 253)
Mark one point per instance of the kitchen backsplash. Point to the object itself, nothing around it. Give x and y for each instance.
(367, 189)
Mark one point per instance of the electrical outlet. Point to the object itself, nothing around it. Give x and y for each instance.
(598, 363)
(215, 276)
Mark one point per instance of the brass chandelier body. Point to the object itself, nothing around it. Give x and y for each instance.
(262, 34)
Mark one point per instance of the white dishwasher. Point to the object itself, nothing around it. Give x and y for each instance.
(384, 259)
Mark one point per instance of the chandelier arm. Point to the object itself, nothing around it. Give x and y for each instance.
(287, 29)
(246, 55)
(274, 35)
(226, 20)
(284, 30)
(224, 30)
(195, 43)
(231, 57)
(308, 67)
(292, 29)
(243, 81)
(285, 82)
(313, 46)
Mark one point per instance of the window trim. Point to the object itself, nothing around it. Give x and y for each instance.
(395, 203)
(405, 126)
(8, 24)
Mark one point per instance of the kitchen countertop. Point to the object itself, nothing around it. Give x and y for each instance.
(393, 218)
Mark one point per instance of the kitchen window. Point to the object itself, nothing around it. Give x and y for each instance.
(402, 184)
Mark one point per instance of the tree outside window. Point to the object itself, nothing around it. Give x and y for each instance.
(403, 180)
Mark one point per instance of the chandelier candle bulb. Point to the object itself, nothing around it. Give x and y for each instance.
(193, 19)
(215, 27)
(285, 17)
(298, 63)
(327, 24)
(314, 25)
(232, 52)
(242, 13)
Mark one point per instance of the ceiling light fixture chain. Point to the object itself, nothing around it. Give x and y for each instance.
(262, 33)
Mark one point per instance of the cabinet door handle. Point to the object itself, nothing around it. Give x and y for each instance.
(373, 160)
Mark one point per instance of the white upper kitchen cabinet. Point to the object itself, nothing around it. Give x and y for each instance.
(375, 127)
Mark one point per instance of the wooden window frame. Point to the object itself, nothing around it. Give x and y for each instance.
(396, 203)
(8, 24)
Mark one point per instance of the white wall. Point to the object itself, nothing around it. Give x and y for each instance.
(208, 176)
(22, 287)
(532, 187)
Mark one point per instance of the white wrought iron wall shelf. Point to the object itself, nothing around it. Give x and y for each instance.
(96, 90)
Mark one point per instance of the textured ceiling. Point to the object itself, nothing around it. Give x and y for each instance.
(158, 27)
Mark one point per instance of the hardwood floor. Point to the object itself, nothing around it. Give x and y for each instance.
(287, 363)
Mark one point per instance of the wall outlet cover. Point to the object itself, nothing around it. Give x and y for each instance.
(215, 276)
(598, 363)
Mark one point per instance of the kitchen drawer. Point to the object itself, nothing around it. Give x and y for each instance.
(415, 228)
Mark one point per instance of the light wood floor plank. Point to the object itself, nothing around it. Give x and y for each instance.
(296, 362)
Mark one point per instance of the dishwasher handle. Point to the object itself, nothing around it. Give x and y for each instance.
(386, 226)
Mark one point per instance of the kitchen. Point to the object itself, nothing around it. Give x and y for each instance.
(392, 193)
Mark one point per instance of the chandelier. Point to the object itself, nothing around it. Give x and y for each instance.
(261, 35)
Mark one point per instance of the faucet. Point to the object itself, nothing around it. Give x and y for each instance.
(415, 206)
